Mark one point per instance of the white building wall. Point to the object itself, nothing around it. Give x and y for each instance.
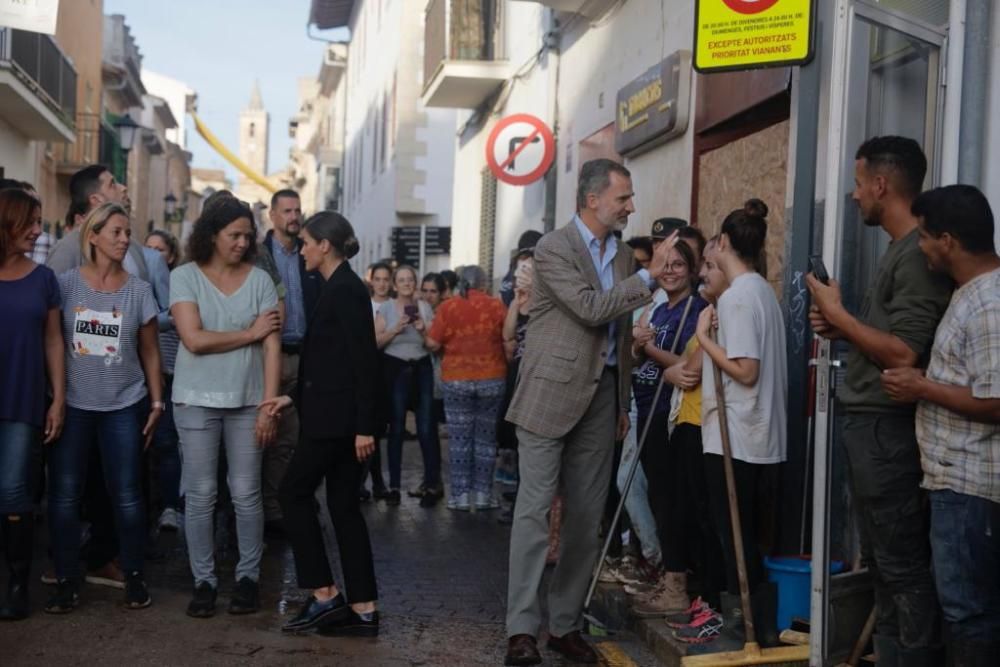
(175, 93)
(598, 60)
(991, 156)
(17, 154)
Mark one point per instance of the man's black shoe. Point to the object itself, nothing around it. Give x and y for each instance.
(352, 625)
(246, 597)
(574, 647)
(393, 498)
(522, 650)
(379, 492)
(314, 613)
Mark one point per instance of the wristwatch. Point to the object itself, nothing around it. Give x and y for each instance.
(159, 405)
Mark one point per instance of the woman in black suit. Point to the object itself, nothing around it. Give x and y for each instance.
(336, 399)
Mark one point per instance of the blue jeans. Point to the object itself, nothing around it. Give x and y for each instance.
(118, 434)
(965, 541)
(18, 455)
(405, 378)
(166, 447)
(637, 501)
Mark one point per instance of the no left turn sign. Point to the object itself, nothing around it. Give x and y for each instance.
(520, 149)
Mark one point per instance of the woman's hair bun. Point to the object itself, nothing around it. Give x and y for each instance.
(755, 208)
(351, 247)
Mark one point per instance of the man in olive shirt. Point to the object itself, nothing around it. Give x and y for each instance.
(895, 329)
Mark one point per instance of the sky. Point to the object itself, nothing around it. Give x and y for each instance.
(218, 48)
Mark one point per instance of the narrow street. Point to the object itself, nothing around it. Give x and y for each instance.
(442, 583)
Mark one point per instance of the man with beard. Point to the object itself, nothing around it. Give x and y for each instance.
(572, 389)
(302, 287)
(895, 329)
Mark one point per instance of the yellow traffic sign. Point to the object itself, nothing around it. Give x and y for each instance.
(747, 34)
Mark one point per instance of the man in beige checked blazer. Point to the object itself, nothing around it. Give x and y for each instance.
(571, 392)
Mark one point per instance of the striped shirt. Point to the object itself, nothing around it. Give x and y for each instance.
(101, 330)
(957, 453)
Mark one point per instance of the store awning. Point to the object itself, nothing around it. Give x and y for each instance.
(327, 14)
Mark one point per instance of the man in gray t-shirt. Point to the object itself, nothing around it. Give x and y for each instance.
(894, 329)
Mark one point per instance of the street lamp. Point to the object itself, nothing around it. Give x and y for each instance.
(169, 206)
(127, 129)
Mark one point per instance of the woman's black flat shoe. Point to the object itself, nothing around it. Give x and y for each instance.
(352, 625)
(314, 613)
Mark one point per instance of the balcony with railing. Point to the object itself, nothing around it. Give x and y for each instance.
(37, 86)
(96, 142)
(463, 52)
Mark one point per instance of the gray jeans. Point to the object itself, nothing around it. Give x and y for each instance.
(201, 430)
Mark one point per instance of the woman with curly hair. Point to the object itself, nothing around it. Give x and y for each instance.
(229, 360)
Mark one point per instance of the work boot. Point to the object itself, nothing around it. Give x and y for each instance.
(671, 599)
(886, 651)
(764, 602)
(18, 532)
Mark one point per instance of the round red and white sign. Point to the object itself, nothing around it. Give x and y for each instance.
(520, 149)
(750, 6)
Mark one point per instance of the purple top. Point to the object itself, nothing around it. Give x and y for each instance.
(25, 304)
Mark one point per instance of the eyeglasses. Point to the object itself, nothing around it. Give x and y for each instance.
(676, 267)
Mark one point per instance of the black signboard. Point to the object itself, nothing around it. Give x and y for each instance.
(406, 243)
(654, 107)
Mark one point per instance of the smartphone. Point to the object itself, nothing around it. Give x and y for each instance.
(818, 269)
(411, 311)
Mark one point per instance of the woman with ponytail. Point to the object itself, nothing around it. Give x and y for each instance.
(749, 349)
(336, 397)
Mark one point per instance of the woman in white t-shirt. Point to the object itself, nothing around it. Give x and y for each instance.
(750, 352)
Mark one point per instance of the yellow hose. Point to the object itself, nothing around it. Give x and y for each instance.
(214, 142)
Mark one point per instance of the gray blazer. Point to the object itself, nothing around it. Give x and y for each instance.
(565, 347)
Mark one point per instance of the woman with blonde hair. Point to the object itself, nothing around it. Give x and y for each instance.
(113, 396)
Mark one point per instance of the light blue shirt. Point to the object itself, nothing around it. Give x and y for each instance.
(294, 329)
(605, 273)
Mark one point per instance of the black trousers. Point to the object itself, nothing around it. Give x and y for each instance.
(659, 463)
(751, 480)
(883, 463)
(335, 461)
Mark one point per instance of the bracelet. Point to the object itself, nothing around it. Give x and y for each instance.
(159, 405)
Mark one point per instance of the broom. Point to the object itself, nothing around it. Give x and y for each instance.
(752, 653)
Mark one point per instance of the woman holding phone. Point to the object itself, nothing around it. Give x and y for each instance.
(336, 403)
(400, 328)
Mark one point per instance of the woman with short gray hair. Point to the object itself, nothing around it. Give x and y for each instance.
(469, 330)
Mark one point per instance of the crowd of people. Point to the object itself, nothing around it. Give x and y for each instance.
(258, 368)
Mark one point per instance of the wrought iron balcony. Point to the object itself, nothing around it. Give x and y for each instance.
(463, 52)
(37, 85)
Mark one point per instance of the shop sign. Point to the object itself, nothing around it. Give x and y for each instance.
(654, 107)
(747, 34)
(31, 15)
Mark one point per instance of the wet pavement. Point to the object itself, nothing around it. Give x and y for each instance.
(442, 584)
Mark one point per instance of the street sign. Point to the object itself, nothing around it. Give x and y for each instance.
(653, 108)
(406, 243)
(747, 34)
(520, 149)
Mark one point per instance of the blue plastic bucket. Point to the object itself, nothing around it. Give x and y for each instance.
(793, 575)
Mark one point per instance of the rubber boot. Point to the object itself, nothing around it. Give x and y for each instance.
(764, 601)
(18, 534)
(886, 651)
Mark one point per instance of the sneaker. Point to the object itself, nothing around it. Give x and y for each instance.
(627, 572)
(688, 615)
(486, 501)
(169, 520)
(136, 593)
(65, 599)
(246, 597)
(202, 604)
(107, 575)
(705, 627)
(459, 503)
(606, 576)
(49, 577)
(393, 497)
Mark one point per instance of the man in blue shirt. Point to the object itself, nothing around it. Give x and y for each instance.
(302, 289)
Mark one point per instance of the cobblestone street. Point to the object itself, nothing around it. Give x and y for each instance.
(442, 584)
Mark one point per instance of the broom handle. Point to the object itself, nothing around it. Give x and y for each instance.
(734, 510)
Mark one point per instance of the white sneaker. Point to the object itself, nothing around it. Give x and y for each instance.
(169, 520)
(459, 502)
(486, 501)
